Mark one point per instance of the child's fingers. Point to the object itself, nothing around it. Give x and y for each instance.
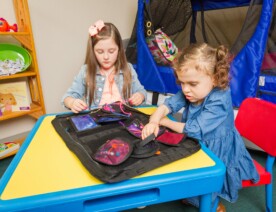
(131, 100)
(80, 103)
(136, 99)
(78, 106)
(149, 129)
(76, 109)
(156, 131)
(145, 132)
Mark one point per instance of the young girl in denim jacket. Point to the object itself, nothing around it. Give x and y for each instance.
(106, 76)
(202, 72)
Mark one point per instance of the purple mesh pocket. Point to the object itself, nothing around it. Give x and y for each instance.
(135, 128)
(114, 151)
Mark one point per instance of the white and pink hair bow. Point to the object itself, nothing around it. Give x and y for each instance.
(96, 27)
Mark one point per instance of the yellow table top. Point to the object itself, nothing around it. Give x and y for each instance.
(49, 166)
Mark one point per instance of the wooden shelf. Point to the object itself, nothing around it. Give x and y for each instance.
(19, 75)
(34, 111)
(25, 37)
(15, 33)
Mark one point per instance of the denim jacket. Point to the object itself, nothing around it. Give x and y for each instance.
(77, 89)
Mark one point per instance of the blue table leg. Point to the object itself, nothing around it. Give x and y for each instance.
(205, 203)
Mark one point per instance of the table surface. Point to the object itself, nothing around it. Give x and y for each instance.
(45, 171)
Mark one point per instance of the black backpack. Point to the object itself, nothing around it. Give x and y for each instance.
(107, 142)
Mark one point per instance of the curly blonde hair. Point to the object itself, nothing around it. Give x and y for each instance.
(214, 61)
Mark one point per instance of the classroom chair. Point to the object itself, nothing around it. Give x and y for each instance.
(256, 122)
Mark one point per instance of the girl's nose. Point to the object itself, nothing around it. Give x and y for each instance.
(106, 55)
(185, 88)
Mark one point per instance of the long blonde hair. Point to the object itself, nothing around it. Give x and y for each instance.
(215, 61)
(109, 30)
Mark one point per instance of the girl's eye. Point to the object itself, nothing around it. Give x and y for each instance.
(193, 84)
(99, 51)
(111, 51)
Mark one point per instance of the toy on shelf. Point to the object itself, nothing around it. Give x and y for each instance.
(8, 149)
(5, 27)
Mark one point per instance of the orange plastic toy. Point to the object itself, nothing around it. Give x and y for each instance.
(5, 27)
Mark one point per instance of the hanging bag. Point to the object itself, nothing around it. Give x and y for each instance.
(159, 43)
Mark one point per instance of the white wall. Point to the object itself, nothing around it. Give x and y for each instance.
(60, 29)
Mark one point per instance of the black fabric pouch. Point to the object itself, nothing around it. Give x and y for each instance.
(136, 158)
(145, 148)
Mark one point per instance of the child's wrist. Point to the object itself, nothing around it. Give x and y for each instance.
(154, 122)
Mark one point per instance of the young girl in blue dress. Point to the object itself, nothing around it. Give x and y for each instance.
(106, 76)
(202, 72)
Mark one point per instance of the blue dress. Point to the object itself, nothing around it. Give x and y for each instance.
(212, 122)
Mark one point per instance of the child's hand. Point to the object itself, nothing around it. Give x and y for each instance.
(136, 99)
(78, 105)
(150, 128)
